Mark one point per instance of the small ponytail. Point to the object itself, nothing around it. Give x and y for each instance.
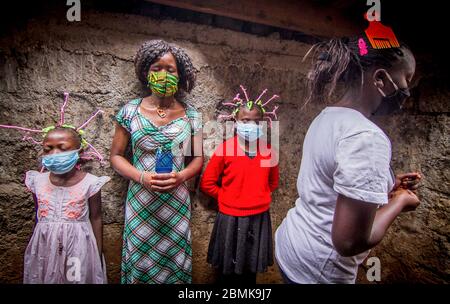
(339, 60)
(333, 61)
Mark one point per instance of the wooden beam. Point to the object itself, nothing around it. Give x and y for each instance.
(302, 16)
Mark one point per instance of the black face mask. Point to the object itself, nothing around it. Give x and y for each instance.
(391, 103)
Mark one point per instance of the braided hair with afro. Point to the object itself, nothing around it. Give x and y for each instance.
(150, 51)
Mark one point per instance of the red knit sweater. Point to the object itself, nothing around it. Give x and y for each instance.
(247, 182)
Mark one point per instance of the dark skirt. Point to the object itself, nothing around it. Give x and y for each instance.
(241, 244)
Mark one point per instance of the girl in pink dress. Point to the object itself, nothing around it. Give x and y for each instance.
(66, 245)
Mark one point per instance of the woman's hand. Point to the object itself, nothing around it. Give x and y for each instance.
(163, 182)
(406, 198)
(147, 180)
(409, 181)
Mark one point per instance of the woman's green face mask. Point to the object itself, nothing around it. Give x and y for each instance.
(162, 84)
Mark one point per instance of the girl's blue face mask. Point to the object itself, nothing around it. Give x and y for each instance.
(248, 131)
(61, 163)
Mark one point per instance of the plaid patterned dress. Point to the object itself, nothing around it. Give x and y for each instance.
(156, 237)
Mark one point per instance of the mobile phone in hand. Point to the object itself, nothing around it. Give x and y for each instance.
(164, 161)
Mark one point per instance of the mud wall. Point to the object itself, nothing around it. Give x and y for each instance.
(93, 60)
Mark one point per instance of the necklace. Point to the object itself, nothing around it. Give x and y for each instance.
(161, 112)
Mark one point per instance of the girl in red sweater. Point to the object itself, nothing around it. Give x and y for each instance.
(245, 165)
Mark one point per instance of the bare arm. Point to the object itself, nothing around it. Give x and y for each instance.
(359, 226)
(195, 166)
(95, 216)
(117, 155)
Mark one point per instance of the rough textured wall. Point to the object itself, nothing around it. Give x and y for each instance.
(93, 59)
(417, 247)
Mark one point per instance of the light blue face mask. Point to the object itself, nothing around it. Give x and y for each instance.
(248, 131)
(60, 163)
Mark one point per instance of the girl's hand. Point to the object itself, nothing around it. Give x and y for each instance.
(406, 198)
(409, 181)
(165, 182)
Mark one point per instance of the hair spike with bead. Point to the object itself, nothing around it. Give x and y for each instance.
(89, 152)
(237, 103)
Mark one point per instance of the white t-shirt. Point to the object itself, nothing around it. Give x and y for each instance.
(343, 152)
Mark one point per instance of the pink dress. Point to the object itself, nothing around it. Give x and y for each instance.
(63, 248)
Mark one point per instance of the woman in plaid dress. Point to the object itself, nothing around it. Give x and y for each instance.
(157, 237)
